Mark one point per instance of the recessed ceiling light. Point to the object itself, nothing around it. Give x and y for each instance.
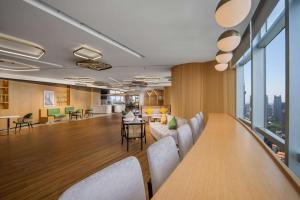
(230, 13)
(20, 47)
(59, 14)
(223, 57)
(221, 67)
(87, 53)
(229, 40)
(11, 65)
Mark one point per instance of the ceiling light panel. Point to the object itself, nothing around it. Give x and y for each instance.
(229, 40)
(230, 13)
(11, 65)
(63, 16)
(88, 53)
(221, 67)
(16, 46)
(223, 57)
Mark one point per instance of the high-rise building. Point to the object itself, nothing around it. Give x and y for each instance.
(277, 109)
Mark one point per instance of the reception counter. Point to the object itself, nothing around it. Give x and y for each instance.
(102, 109)
(229, 162)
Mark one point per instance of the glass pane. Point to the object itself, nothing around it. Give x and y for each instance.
(247, 90)
(275, 85)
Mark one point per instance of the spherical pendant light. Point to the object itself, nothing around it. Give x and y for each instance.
(221, 67)
(229, 40)
(230, 13)
(223, 57)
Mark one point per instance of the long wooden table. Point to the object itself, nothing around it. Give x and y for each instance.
(229, 162)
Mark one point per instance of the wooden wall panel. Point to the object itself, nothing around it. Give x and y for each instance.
(80, 97)
(26, 97)
(167, 96)
(199, 87)
(229, 78)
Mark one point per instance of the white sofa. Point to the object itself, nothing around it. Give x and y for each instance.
(159, 131)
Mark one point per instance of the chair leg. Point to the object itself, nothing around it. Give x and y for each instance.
(16, 127)
(145, 136)
(20, 127)
(150, 192)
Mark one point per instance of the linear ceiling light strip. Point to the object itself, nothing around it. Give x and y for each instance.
(57, 13)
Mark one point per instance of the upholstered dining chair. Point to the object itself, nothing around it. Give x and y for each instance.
(185, 140)
(122, 180)
(195, 126)
(25, 120)
(200, 118)
(163, 158)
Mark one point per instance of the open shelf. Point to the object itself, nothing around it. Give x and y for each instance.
(4, 94)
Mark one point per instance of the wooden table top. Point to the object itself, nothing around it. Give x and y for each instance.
(228, 162)
(9, 116)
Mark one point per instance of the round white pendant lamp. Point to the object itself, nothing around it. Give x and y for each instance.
(221, 67)
(230, 13)
(223, 57)
(229, 40)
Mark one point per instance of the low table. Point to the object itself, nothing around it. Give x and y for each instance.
(8, 117)
(138, 121)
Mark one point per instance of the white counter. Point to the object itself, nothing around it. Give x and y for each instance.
(102, 109)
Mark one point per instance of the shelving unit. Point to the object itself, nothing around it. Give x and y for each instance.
(153, 98)
(4, 94)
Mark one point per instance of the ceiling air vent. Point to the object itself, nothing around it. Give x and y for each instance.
(94, 65)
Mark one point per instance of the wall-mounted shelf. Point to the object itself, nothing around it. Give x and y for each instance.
(4, 94)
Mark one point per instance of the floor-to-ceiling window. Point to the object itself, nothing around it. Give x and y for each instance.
(275, 97)
(275, 85)
(247, 90)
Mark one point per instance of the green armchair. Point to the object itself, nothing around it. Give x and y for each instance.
(89, 112)
(69, 110)
(25, 120)
(55, 112)
(77, 113)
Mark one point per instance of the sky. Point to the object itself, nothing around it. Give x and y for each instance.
(275, 63)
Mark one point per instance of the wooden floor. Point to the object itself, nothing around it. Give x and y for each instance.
(43, 162)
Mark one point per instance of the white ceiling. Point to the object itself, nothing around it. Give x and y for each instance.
(166, 32)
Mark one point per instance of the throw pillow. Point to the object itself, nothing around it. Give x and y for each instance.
(163, 110)
(129, 115)
(149, 111)
(163, 119)
(173, 124)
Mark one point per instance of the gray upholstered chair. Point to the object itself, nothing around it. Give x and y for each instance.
(122, 180)
(195, 126)
(200, 118)
(201, 115)
(185, 140)
(162, 158)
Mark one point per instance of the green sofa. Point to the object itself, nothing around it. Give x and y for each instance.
(55, 112)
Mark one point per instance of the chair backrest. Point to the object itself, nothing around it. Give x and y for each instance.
(201, 121)
(28, 116)
(121, 180)
(69, 109)
(53, 111)
(185, 140)
(201, 115)
(163, 158)
(195, 126)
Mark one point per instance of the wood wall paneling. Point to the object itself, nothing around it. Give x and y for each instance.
(199, 87)
(27, 97)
